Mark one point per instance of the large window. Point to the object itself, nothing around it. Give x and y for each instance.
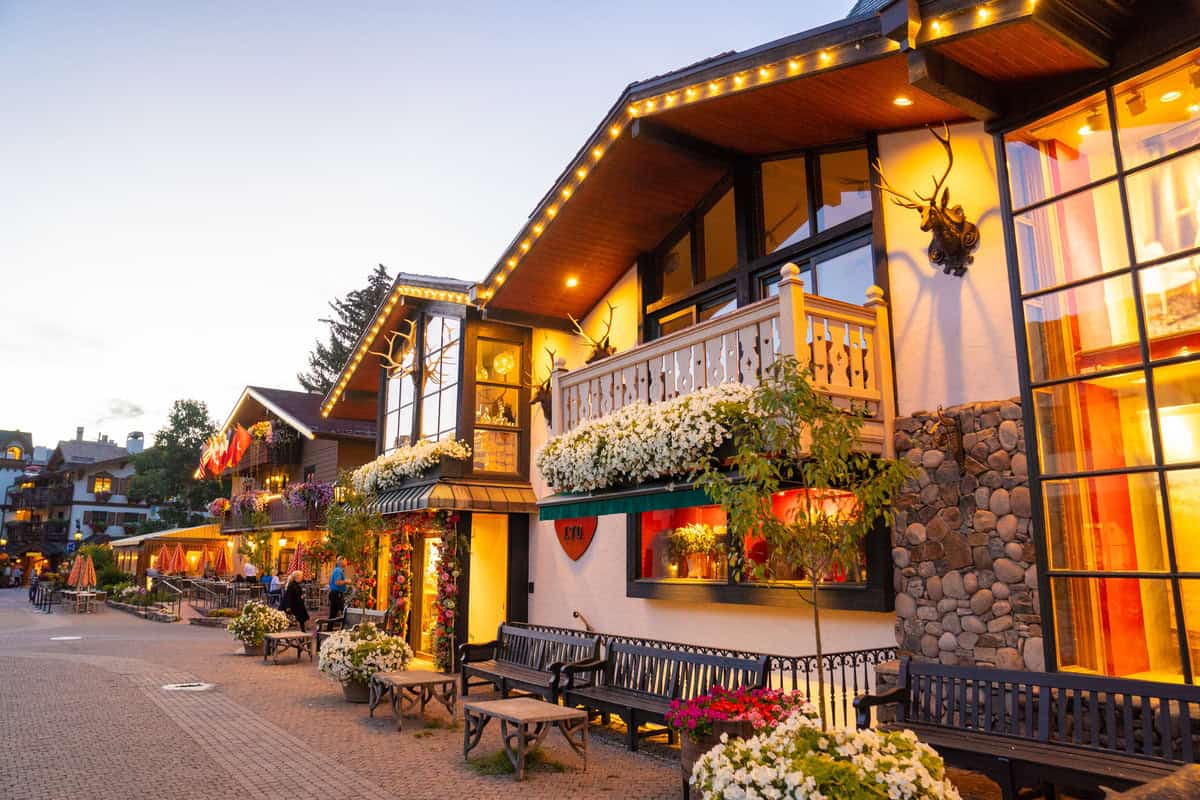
(498, 397)
(422, 386)
(1106, 220)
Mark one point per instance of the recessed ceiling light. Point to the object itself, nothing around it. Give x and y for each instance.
(903, 101)
(1171, 96)
(572, 282)
(1193, 108)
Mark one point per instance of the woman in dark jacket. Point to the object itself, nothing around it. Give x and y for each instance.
(293, 599)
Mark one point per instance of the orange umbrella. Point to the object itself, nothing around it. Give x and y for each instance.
(221, 564)
(203, 559)
(297, 562)
(162, 562)
(178, 562)
(76, 569)
(87, 575)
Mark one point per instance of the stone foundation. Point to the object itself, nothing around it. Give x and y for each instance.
(962, 542)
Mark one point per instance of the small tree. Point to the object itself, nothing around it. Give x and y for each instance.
(354, 528)
(797, 438)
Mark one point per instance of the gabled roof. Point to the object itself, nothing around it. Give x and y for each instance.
(302, 410)
(20, 438)
(73, 452)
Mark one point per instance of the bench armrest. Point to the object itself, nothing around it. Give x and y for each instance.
(865, 702)
(327, 624)
(476, 652)
(569, 671)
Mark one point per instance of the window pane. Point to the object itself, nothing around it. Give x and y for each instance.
(1191, 619)
(785, 202)
(1171, 299)
(1183, 495)
(1116, 626)
(845, 187)
(762, 563)
(1110, 522)
(683, 543)
(717, 308)
(1094, 424)
(675, 322)
(847, 276)
(677, 267)
(1061, 152)
(1163, 203)
(1085, 329)
(404, 424)
(391, 431)
(498, 362)
(495, 451)
(448, 423)
(1158, 112)
(429, 416)
(1177, 392)
(720, 237)
(495, 405)
(1074, 238)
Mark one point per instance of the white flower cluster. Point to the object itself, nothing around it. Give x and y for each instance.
(355, 654)
(391, 469)
(255, 621)
(798, 760)
(642, 442)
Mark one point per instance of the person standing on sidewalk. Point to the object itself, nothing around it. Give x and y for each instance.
(293, 599)
(337, 588)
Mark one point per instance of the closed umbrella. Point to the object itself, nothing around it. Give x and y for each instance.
(87, 577)
(221, 564)
(204, 559)
(297, 562)
(178, 562)
(162, 562)
(76, 569)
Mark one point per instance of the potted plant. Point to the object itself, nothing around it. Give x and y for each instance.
(697, 543)
(743, 712)
(312, 496)
(799, 758)
(255, 622)
(352, 656)
(219, 508)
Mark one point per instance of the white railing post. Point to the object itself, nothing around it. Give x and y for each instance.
(882, 364)
(558, 400)
(793, 327)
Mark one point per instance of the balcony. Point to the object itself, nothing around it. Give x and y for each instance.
(45, 537)
(41, 497)
(282, 517)
(848, 346)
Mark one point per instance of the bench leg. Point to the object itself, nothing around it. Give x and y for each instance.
(463, 689)
(631, 728)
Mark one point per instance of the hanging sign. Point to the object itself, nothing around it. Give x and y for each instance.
(575, 535)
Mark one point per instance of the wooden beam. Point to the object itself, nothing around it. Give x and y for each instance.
(705, 151)
(901, 22)
(528, 319)
(954, 84)
(1089, 34)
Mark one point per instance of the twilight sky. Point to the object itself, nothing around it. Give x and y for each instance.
(183, 185)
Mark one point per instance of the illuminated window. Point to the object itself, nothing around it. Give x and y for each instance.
(1108, 257)
(683, 544)
(500, 402)
(13, 453)
(439, 378)
(102, 484)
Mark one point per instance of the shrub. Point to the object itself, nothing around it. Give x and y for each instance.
(255, 621)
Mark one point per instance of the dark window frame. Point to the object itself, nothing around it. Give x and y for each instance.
(417, 379)
(508, 334)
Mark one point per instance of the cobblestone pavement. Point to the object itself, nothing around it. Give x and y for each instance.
(87, 717)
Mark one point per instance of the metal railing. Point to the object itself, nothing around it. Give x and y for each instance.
(847, 674)
(45, 597)
(205, 595)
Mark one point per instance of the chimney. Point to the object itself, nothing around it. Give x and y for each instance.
(134, 443)
(79, 434)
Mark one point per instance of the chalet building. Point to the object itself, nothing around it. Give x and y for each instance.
(978, 219)
(291, 444)
(16, 455)
(81, 495)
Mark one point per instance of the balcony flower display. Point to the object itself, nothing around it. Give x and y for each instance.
(312, 495)
(219, 507)
(248, 503)
(261, 430)
(392, 469)
(763, 709)
(798, 759)
(255, 622)
(644, 441)
(353, 655)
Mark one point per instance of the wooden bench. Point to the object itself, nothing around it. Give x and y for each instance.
(638, 682)
(301, 642)
(1038, 729)
(525, 659)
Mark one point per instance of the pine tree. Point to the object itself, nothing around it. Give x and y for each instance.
(351, 314)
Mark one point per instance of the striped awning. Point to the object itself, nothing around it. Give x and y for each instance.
(654, 497)
(458, 496)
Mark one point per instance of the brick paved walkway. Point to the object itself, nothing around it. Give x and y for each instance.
(87, 717)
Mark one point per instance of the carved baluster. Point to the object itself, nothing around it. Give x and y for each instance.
(766, 342)
(630, 385)
(606, 394)
(716, 365)
(870, 379)
(683, 371)
(839, 360)
(657, 390)
(749, 360)
(670, 388)
(699, 370)
(856, 357)
(732, 359)
(594, 411)
(642, 389)
(819, 353)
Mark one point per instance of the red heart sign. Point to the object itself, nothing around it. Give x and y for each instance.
(575, 535)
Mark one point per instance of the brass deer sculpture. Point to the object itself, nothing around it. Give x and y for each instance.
(540, 395)
(953, 236)
(602, 347)
(398, 346)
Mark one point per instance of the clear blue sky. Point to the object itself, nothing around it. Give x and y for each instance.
(183, 185)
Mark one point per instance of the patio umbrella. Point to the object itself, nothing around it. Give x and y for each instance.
(87, 576)
(204, 559)
(221, 564)
(297, 562)
(162, 562)
(76, 569)
(178, 562)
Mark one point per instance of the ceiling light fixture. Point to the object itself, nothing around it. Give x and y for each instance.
(1136, 103)
(572, 282)
(1171, 96)
(903, 101)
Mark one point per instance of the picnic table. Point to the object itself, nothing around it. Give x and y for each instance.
(410, 688)
(82, 601)
(530, 720)
(299, 641)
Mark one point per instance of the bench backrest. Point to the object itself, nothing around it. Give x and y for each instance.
(537, 649)
(670, 674)
(1150, 720)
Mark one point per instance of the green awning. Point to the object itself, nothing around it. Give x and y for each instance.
(629, 501)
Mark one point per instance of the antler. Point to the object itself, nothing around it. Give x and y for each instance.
(937, 182)
(393, 359)
(899, 198)
(607, 327)
(530, 380)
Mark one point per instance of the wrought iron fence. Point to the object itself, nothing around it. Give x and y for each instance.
(45, 597)
(847, 674)
(206, 595)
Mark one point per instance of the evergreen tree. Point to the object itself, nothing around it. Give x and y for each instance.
(351, 315)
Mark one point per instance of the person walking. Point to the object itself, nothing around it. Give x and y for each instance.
(16, 576)
(33, 584)
(337, 588)
(7, 581)
(293, 599)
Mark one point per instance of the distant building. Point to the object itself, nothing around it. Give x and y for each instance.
(16, 455)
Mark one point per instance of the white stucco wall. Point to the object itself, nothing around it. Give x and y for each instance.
(953, 337)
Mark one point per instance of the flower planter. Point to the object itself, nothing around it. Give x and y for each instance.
(690, 752)
(355, 692)
(252, 649)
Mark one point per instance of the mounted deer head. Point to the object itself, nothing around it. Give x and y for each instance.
(398, 346)
(541, 395)
(602, 347)
(953, 236)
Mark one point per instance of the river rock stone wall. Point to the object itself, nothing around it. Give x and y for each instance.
(963, 550)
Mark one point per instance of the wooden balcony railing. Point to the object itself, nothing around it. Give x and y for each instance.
(282, 516)
(848, 346)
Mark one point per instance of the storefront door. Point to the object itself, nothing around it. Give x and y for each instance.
(487, 605)
(425, 593)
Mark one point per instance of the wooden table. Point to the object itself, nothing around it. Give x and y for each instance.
(408, 689)
(530, 720)
(299, 641)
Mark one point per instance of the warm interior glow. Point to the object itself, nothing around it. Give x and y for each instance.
(903, 101)
(984, 13)
(1171, 96)
(572, 282)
